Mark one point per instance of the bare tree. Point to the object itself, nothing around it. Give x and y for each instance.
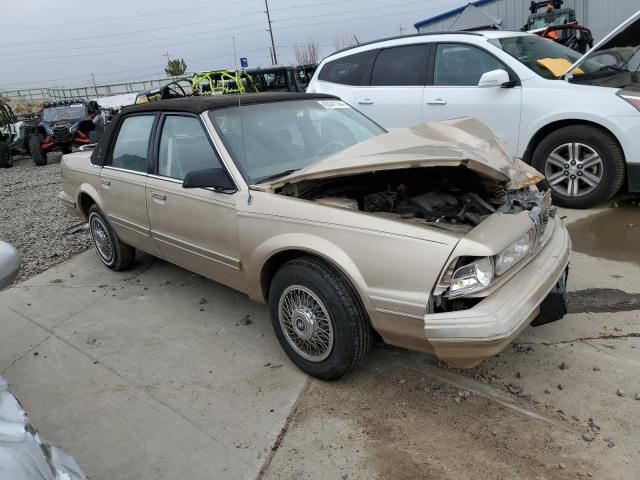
(308, 53)
(343, 41)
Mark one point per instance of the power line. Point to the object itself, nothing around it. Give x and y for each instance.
(128, 49)
(131, 32)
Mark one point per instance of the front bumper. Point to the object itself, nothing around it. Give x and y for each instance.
(466, 337)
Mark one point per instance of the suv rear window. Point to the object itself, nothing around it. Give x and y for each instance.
(351, 70)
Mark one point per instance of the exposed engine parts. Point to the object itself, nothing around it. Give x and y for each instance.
(445, 197)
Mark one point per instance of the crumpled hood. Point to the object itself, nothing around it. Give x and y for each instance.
(460, 142)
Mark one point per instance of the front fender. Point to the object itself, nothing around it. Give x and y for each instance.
(312, 244)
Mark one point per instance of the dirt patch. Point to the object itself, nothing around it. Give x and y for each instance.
(601, 300)
(613, 234)
(34, 220)
(416, 427)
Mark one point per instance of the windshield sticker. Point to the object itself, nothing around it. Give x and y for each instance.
(333, 104)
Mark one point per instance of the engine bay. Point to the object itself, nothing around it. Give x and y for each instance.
(452, 198)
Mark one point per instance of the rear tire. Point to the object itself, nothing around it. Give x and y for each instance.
(6, 159)
(112, 252)
(38, 155)
(583, 165)
(318, 319)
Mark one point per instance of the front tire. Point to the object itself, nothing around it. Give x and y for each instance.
(38, 155)
(318, 319)
(112, 252)
(583, 165)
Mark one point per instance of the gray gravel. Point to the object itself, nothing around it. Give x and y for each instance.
(33, 219)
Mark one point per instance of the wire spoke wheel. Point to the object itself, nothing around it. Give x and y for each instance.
(574, 169)
(101, 239)
(305, 322)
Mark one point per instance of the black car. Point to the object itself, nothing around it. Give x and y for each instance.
(65, 124)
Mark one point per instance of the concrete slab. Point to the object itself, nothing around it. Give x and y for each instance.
(165, 338)
(17, 337)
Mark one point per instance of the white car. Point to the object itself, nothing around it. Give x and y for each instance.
(576, 120)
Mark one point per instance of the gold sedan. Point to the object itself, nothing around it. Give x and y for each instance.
(430, 235)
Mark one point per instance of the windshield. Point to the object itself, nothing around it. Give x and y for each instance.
(272, 139)
(545, 57)
(63, 112)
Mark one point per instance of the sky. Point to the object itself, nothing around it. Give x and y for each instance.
(46, 43)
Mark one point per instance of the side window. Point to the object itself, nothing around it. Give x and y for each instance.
(350, 70)
(400, 66)
(184, 148)
(132, 144)
(462, 65)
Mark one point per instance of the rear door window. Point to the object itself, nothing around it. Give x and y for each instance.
(350, 70)
(131, 148)
(462, 65)
(401, 66)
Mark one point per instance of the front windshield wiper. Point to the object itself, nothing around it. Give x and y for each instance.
(611, 67)
(276, 175)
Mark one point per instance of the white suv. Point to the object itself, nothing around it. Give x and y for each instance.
(581, 128)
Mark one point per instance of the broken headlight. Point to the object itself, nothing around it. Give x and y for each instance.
(471, 278)
(515, 252)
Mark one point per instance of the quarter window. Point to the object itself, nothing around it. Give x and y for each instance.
(462, 65)
(350, 70)
(400, 66)
(132, 144)
(184, 148)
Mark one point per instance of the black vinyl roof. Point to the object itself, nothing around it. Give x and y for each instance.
(199, 104)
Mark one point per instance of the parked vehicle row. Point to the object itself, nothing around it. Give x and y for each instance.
(575, 118)
(295, 199)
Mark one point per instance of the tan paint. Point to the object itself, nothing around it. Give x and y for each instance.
(393, 264)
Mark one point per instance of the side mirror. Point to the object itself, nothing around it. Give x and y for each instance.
(215, 178)
(9, 264)
(494, 78)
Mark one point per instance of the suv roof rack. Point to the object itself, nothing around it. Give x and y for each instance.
(420, 34)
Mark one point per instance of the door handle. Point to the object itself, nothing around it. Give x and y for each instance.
(105, 183)
(437, 101)
(159, 196)
(365, 101)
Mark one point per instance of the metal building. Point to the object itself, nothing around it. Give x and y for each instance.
(601, 16)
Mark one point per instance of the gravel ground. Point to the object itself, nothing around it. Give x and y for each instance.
(33, 219)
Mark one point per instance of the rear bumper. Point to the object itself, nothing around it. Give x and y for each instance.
(464, 338)
(68, 202)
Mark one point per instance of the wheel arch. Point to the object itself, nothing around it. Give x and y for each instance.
(545, 130)
(87, 196)
(275, 252)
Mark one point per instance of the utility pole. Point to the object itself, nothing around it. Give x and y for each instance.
(235, 57)
(402, 29)
(168, 57)
(93, 80)
(274, 57)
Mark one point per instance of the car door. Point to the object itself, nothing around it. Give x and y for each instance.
(195, 228)
(394, 97)
(453, 91)
(123, 179)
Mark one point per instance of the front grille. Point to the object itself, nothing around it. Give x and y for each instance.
(61, 135)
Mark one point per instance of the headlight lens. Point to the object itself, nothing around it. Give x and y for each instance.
(515, 252)
(471, 278)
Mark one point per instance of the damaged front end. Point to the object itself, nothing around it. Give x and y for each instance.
(449, 175)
